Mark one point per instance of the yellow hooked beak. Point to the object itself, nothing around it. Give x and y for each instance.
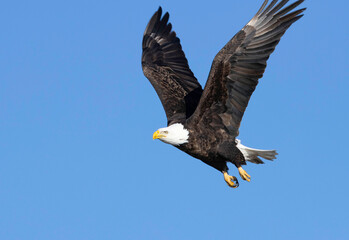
(157, 135)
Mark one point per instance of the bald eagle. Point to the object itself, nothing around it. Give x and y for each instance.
(205, 123)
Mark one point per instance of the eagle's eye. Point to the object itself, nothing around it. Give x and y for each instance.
(166, 132)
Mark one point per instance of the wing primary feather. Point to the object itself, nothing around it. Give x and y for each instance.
(153, 20)
(289, 8)
(277, 7)
(269, 14)
(277, 22)
(159, 23)
(262, 7)
(291, 21)
(292, 15)
(162, 24)
(272, 4)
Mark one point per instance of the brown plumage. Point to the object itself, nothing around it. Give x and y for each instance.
(212, 117)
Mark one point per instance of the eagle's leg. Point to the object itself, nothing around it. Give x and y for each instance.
(244, 175)
(231, 180)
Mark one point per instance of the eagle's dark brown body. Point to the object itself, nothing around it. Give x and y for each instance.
(200, 146)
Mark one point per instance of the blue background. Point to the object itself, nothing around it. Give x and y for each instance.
(77, 159)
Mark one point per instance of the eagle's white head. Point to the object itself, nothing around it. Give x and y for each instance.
(174, 134)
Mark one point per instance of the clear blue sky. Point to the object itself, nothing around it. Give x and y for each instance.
(77, 117)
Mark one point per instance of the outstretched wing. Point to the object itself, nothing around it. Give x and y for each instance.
(166, 67)
(240, 63)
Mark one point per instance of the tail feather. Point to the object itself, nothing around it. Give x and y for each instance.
(253, 155)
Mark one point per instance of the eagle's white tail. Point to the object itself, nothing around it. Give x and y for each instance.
(253, 155)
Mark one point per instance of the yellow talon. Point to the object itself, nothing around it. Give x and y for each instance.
(231, 180)
(244, 175)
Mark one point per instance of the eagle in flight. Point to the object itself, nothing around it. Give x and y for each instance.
(205, 123)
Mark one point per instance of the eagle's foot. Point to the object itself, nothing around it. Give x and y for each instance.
(244, 175)
(231, 180)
